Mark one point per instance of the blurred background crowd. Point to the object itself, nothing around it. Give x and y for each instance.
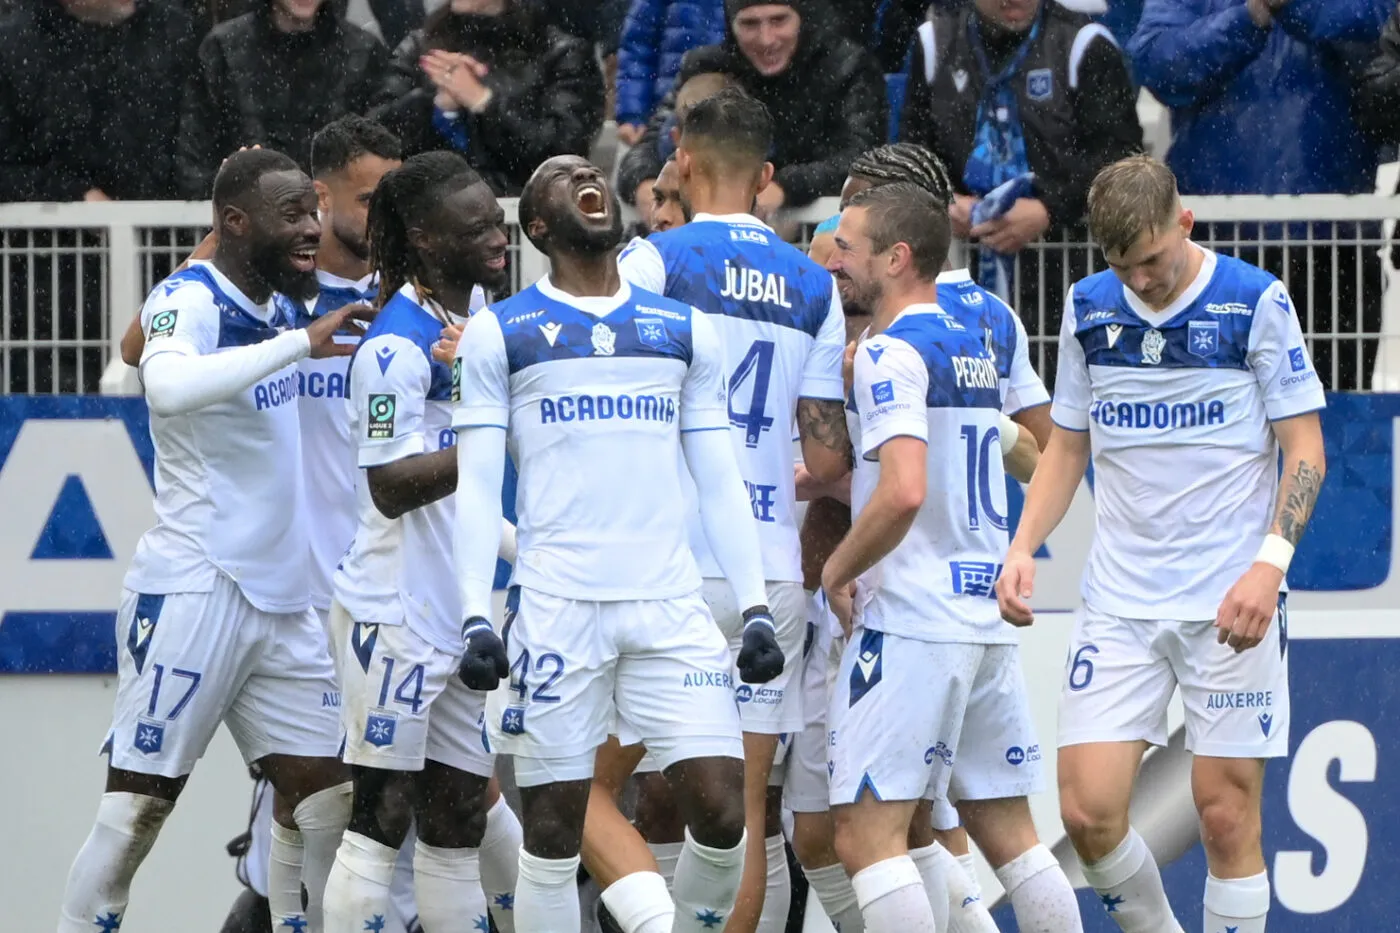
(1023, 99)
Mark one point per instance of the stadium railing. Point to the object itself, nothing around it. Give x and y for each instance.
(73, 275)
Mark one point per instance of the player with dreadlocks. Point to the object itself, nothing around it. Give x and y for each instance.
(828, 518)
(413, 731)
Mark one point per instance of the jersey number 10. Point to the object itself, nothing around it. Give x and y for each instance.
(980, 449)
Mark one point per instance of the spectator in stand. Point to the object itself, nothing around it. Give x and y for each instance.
(826, 95)
(488, 79)
(655, 37)
(1378, 98)
(85, 91)
(272, 78)
(1000, 89)
(1261, 97)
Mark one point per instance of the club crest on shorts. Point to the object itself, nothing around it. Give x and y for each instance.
(150, 736)
(380, 727)
(513, 720)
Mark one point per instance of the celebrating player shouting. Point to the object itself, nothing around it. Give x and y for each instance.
(598, 387)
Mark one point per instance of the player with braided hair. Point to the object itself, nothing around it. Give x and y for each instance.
(413, 731)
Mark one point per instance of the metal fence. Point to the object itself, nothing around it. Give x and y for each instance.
(72, 276)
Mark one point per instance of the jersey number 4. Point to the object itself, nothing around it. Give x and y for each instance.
(758, 363)
(981, 447)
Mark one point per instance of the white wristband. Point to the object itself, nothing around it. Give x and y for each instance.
(1009, 433)
(506, 552)
(1276, 552)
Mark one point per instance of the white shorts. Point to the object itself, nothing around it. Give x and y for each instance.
(806, 787)
(403, 702)
(775, 707)
(1120, 674)
(913, 719)
(658, 670)
(188, 661)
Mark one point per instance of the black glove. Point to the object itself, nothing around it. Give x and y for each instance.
(484, 661)
(760, 658)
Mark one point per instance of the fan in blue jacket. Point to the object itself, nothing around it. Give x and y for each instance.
(655, 36)
(1260, 91)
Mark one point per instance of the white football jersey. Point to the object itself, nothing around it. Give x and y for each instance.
(594, 394)
(932, 376)
(228, 476)
(400, 571)
(327, 449)
(780, 319)
(1178, 405)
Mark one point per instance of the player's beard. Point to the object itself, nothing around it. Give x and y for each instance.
(356, 242)
(269, 261)
(570, 232)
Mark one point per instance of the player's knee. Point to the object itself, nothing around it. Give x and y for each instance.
(382, 807)
(1228, 825)
(813, 839)
(657, 817)
(1093, 828)
(722, 826)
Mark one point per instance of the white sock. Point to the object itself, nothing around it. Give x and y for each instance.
(935, 866)
(837, 897)
(1130, 888)
(892, 897)
(500, 864)
(1040, 893)
(777, 896)
(546, 894)
(357, 891)
(707, 882)
(640, 903)
(321, 819)
(284, 865)
(969, 867)
(99, 882)
(447, 883)
(1236, 905)
(667, 854)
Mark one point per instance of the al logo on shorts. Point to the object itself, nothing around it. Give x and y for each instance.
(381, 416)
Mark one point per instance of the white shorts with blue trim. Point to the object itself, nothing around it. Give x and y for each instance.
(403, 703)
(914, 719)
(1120, 674)
(655, 671)
(189, 661)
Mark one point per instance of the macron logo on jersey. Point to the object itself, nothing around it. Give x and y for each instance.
(551, 331)
(384, 356)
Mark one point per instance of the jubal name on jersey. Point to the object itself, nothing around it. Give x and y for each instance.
(743, 284)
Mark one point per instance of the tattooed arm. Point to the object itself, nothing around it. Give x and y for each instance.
(826, 447)
(1244, 616)
(1304, 466)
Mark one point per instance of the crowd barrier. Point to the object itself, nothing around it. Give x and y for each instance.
(73, 275)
